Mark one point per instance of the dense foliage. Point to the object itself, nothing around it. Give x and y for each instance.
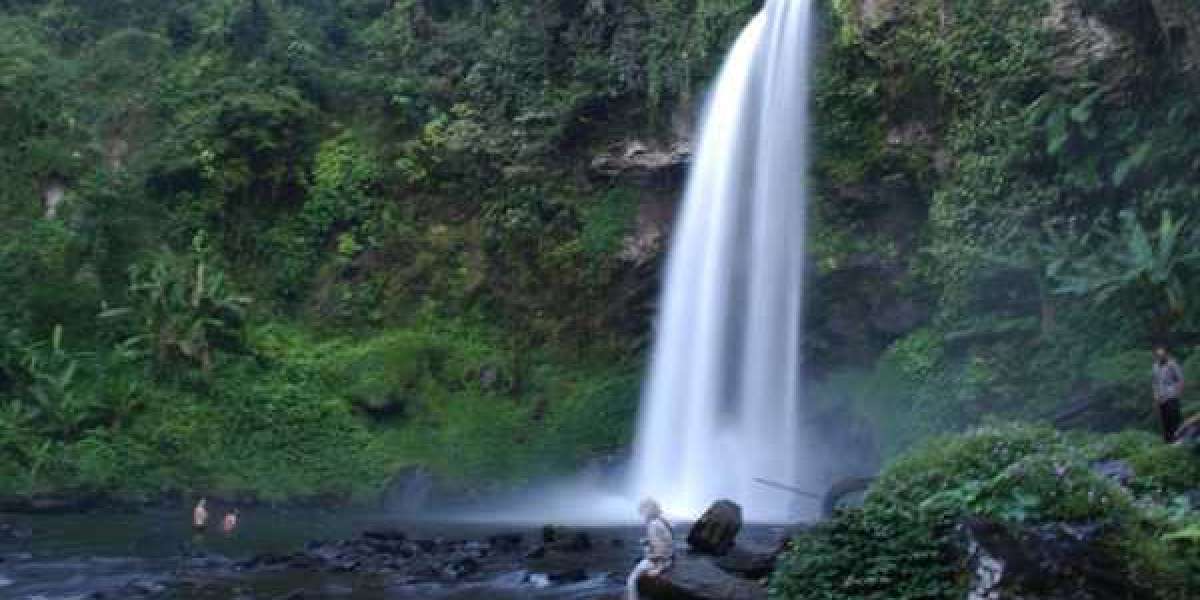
(282, 249)
(1005, 213)
(907, 540)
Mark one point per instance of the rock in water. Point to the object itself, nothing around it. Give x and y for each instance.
(715, 532)
(750, 561)
(697, 578)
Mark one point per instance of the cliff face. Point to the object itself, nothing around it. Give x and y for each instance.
(1179, 21)
(909, 99)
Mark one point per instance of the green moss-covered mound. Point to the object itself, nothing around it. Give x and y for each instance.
(907, 541)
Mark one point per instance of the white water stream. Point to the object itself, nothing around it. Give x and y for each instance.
(723, 400)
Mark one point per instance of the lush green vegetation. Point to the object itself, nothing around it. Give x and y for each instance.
(281, 249)
(1023, 191)
(1028, 194)
(903, 543)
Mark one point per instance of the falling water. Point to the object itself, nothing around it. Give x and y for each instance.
(721, 408)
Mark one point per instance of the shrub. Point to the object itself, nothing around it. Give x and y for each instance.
(899, 545)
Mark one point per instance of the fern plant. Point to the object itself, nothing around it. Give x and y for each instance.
(1133, 262)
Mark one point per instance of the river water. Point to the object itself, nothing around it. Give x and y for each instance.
(115, 555)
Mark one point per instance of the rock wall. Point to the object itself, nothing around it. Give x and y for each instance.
(1180, 23)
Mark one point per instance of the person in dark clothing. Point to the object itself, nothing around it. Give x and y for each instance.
(1167, 381)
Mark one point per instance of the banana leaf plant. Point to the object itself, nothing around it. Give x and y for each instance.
(1131, 264)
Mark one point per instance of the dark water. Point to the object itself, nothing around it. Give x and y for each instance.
(77, 556)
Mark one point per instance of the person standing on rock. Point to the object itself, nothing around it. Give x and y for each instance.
(1168, 382)
(658, 547)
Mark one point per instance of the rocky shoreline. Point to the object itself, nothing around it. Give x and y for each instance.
(385, 562)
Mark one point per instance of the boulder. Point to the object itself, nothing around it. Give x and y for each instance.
(698, 578)
(749, 560)
(1083, 40)
(8, 531)
(576, 542)
(845, 493)
(1117, 471)
(1053, 560)
(878, 15)
(640, 160)
(716, 531)
(1179, 21)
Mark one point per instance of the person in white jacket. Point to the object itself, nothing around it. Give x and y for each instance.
(658, 547)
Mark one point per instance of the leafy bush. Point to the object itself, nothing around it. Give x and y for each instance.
(183, 310)
(901, 544)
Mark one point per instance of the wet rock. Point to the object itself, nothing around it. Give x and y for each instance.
(877, 15)
(698, 578)
(1179, 21)
(47, 504)
(536, 553)
(1117, 471)
(567, 576)
(845, 493)
(635, 158)
(460, 568)
(208, 561)
(716, 531)
(390, 535)
(750, 560)
(578, 541)
(538, 580)
(335, 589)
(388, 546)
(147, 587)
(264, 560)
(1056, 560)
(506, 542)
(8, 531)
(1083, 40)
(476, 549)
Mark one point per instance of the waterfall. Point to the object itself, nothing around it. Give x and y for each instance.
(722, 403)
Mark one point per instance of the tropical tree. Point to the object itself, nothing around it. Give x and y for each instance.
(182, 310)
(1133, 267)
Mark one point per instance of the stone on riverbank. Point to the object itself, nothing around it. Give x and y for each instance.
(698, 578)
(716, 531)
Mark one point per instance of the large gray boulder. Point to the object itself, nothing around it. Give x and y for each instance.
(716, 531)
(698, 578)
(1052, 561)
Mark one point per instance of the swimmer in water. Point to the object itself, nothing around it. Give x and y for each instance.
(200, 515)
(230, 522)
